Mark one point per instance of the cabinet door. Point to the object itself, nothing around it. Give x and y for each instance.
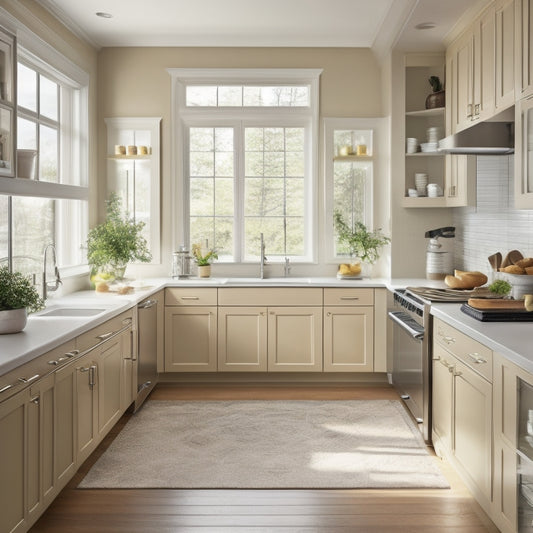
(109, 377)
(505, 49)
(523, 186)
(190, 339)
(473, 427)
(65, 425)
(460, 187)
(13, 431)
(295, 339)
(484, 65)
(129, 370)
(463, 83)
(242, 339)
(348, 339)
(524, 47)
(442, 399)
(86, 407)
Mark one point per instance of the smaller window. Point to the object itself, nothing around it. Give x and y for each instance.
(247, 96)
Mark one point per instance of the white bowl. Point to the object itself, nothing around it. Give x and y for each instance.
(521, 284)
(429, 147)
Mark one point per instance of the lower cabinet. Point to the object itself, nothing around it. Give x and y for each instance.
(462, 408)
(190, 339)
(242, 339)
(294, 339)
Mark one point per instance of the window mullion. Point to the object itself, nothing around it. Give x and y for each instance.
(238, 215)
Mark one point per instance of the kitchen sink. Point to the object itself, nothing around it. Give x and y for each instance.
(70, 312)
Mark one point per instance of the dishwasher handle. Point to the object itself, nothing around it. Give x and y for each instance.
(147, 304)
(408, 324)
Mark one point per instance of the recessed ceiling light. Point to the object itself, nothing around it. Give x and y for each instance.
(104, 15)
(426, 26)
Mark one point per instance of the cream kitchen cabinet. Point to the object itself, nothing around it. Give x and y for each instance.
(348, 330)
(523, 48)
(190, 330)
(242, 339)
(285, 329)
(505, 54)
(462, 408)
(8, 65)
(295, 339)
(523, 169)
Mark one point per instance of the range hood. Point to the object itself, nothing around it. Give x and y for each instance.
(485, 138)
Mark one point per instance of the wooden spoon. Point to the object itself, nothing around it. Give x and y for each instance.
(495, 261)
(511, 258)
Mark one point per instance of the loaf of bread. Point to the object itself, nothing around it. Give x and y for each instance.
(525, 263)
(465, 280)
(513, 269)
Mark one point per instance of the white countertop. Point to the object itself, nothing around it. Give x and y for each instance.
(45, 333)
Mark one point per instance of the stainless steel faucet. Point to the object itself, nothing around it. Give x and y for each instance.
(46, 284)
(287, 267)
(263, 259)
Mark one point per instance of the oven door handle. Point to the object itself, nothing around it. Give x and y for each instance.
(407, 323)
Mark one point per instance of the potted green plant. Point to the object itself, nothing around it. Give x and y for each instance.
(203, 260)
(438, 97)
(363, 245)
(115, 243)
(18, 296)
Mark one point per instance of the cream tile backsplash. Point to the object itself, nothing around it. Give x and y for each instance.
(494, 225)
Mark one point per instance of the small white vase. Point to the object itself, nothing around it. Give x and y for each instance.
(13, 320)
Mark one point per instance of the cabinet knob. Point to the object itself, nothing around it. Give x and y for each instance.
(35, 400)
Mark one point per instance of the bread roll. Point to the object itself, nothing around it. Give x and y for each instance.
(529, 270)
(513, 269)
(465, 280)
(526, 262)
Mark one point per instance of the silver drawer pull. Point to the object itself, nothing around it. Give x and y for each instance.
(53, 362)
(73, 353)
(190, 298)
(28, 380)
(84, 369)
(7, 387)
(105, 336)
(476, 358)
(126, 321)
(349, 298)
(35, 400)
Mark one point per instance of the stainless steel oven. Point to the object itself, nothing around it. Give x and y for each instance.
(411, 374)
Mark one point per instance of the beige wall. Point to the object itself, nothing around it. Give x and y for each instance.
(134, 82)
(46, 27)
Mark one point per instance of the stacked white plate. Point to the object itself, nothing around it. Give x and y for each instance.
(433, 134)
(421, 181)
(412, 145)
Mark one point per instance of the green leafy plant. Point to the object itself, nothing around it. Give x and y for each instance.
(435, 83)
(17, 291)
(501, 287)
(117, 241)
(360, 241)
(201, 258)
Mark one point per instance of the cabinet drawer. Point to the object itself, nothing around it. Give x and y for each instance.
(190, 296)
(471, 352)
(34, 370)
(104, 331)
(273, 296)
(348, 296)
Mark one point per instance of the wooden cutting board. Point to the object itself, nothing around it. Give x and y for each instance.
(496, 303)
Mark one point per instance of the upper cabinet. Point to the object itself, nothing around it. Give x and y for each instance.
(480, 68)
(523, 171)
(7, 104)
(133, 172)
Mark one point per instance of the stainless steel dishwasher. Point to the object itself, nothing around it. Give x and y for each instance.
(147, 350)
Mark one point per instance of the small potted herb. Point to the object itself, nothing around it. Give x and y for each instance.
(363, 245)
(18, 296)
(115, 243)
(501, 288)
(203, 260)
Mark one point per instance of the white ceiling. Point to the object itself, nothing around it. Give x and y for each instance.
(322, 23)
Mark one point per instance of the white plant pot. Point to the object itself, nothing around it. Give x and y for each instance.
(13, 320)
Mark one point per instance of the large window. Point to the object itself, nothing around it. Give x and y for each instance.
(50, 205)
(248, 147)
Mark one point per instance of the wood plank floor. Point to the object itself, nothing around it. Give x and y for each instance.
(277, 511)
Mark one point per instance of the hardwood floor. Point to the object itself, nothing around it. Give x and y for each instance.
(277, 511)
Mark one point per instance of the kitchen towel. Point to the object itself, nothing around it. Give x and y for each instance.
(268, 444)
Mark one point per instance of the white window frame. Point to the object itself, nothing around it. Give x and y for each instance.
(183, 117)
(41, 56)
(379, 160)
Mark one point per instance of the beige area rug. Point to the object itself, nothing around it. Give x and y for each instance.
(267, 444)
